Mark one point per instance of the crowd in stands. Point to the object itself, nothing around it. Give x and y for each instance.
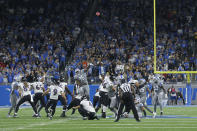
(40, 35)
(122, 36)
(37, 35)
(175, 36)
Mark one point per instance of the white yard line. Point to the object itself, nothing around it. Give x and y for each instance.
(42, 124)
(35, 125)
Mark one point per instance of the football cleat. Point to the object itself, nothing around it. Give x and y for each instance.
(117, 119)
(103, 115)
(9, 115)
(34, 115)
(85, 118)
(125, 115)
(97, 109)
(97, 117)
(39, 115)
(15, 115)
(138, 120)
(73, 112)
(50, 116)
(63, 115)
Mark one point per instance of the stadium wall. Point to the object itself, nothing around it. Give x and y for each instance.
(191, 93)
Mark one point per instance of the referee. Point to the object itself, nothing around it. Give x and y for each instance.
(126, 99)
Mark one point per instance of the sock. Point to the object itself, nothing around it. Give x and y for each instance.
(104, 108)
(148, 109)
(144, 113)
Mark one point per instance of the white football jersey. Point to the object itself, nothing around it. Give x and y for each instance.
(97, 94)
(13, 85)
(87, 105)
(55, 92)
(78, 92)
(102, 89)
(25, 90)
(38, 87)
(62, 85)
(105, 85)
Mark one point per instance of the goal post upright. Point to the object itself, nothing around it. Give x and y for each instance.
(188, 73)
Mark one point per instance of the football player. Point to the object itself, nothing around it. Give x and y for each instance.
(104, 99)
(86, 109)
(139, 106)
(96, 99)
(81, 80)
(25, 93)
(76, 99)
(142, 88)
(13, 97)
(38, 88)
(112, 95)
(157, 95)
(63, 101)
(55, 91)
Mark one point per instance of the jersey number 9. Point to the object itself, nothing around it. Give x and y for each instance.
(24, 88)
(55, 92)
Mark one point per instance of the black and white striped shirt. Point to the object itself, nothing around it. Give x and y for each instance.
(125, 87)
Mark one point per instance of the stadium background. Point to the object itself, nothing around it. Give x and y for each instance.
(73, 43)
(132, 22)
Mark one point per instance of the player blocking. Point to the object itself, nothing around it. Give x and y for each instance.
(25, 93)
(114, 93)
(55, 91)
(38, 88)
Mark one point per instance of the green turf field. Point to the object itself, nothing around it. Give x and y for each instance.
(174, 119)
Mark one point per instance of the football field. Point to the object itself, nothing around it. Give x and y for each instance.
(174, 119)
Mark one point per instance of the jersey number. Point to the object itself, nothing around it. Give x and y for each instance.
(156, 88)
(55, 92)
(37, 87)
(25, 89)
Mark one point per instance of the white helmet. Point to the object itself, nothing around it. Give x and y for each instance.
(133, 81)
(77, 70)
(142, 81)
